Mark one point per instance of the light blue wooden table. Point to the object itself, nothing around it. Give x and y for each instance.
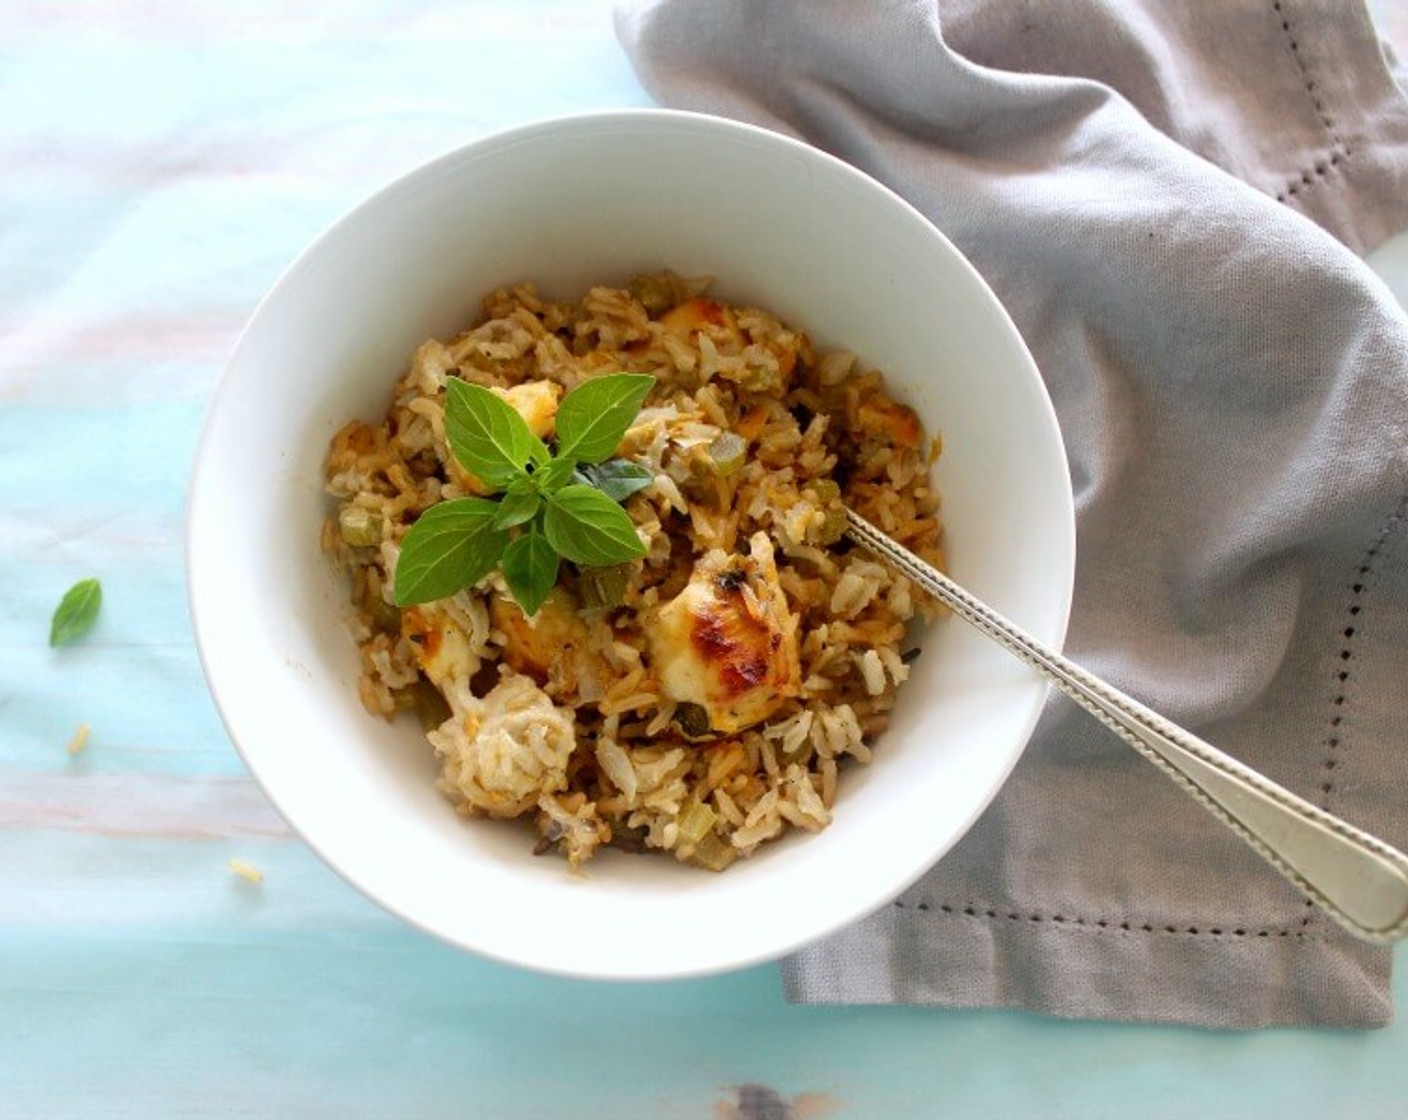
(160, 163)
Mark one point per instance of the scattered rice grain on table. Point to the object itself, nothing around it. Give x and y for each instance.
(79, 742)
(613, 725)
(246, 871)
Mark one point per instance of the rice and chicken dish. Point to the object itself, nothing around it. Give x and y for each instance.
(707, 695)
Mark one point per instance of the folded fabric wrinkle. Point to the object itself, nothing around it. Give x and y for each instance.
(1172, 202)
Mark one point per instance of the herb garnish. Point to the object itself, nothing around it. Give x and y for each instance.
(76, 612)
(555, 505)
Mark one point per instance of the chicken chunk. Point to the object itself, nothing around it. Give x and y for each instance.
(536, 402)
(449, 641)
(889, 421)
(728, 641)
(552, 646)
(700, 314)
(499, 756)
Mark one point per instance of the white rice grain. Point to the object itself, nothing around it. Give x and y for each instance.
(894, 665)
(615, 763)
(873, 671)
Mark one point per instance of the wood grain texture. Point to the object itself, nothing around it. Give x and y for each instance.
(163, 161)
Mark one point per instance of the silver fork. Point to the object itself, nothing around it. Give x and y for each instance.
(1356, 878)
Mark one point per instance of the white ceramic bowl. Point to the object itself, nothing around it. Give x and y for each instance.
(570, 203)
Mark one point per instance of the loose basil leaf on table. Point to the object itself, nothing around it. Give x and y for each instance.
(76, 613)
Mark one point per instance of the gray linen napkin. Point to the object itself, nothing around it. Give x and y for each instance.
(1169, 200)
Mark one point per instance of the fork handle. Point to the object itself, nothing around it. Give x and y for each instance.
(1357, 879)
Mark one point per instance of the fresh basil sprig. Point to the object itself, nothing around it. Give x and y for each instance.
(555, 505)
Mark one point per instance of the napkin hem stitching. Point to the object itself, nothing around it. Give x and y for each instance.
(1344, 676)
(1111, 925)
(1320, 170)
(1339, 152)
(1325, 119)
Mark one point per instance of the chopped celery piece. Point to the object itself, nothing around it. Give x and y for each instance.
(385, 615)
(727, 453)
(603, 587)
(758, 380)
(360, 528)
(834, 527)
(825, 489)
(654, 293)
(431, 707)
(713, 853)
(828, 495)
(696, 822)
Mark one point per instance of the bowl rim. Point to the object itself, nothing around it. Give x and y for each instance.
(533, 130)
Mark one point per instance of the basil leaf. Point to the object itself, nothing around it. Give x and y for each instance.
(515, 509)
(554, 476)
(588, 528)
(594, 417)
(452, 545)
(76, 613)
(487, 436)
(530, 570)
(618, 479)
